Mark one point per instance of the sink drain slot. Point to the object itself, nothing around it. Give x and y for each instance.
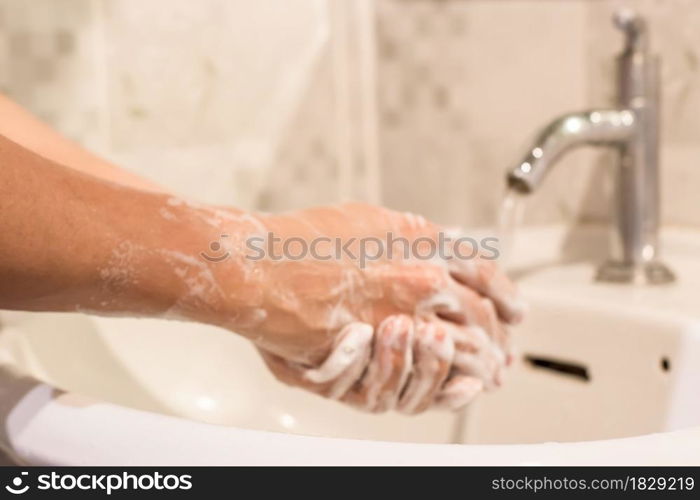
(567, 368)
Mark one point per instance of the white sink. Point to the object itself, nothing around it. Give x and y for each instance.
(594, 370)
(597, 362)
(192, 371)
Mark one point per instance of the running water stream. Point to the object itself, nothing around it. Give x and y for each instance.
(510, 219)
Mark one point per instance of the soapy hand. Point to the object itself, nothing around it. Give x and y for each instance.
(406, 365)
(373, 328)
(393, 332)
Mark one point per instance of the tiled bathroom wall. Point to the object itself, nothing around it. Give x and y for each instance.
(226, 101)
(47, 63)
(464, 84)
(188, 93)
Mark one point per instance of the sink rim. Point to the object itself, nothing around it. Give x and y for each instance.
(43, 421)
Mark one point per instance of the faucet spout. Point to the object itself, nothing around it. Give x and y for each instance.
(632, 127)
(593, 127)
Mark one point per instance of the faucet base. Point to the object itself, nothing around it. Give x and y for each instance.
(650, 273)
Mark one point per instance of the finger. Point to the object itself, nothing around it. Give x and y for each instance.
(346, 363)
(476, 355)
(342, 368)
(287, 372)
(486, 278)
(497, 329)
(388, 368)
(466, 307)
(458, 392)
(433, 350)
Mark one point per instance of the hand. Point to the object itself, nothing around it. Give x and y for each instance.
(400, 332)
(383, 332)
(404, 366)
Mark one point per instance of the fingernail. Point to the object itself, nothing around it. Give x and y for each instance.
(518, 309)
(463, 394)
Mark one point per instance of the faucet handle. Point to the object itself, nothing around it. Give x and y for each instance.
(634, 27)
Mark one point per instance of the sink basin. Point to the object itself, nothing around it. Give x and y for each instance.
(193, 371)
(596, 362)
(591, 370)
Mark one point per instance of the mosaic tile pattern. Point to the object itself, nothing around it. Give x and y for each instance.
(452, 121)
(465, 83)
(48, 63)
(462, 86)
(201, 77)
(306, 171)
(170, 89)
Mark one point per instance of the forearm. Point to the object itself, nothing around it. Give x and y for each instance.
(74, 242)
(20, 126)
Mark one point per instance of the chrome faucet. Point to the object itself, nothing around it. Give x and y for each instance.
(633, 129)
